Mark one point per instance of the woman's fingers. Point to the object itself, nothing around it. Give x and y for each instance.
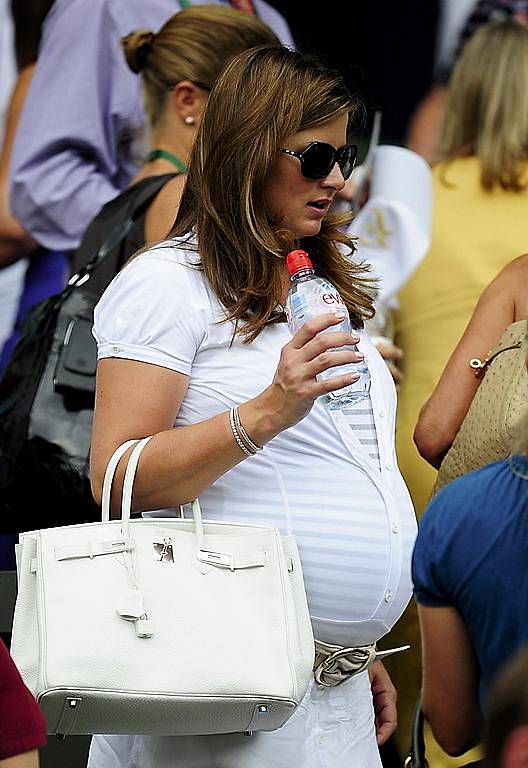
(335, 383)
(392, 355)
(396, 374)
(331, 359)
(314, 326)
(388, 351)
(324, 342)
(384, 697)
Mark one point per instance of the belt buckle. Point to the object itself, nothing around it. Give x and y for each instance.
(329, 665)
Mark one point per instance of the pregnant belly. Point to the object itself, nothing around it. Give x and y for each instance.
(357, 582)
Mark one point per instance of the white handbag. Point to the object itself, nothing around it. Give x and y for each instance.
(161, 625)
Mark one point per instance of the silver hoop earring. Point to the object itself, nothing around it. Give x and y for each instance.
(189, 120)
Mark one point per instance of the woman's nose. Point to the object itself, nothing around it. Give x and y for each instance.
(334, 179)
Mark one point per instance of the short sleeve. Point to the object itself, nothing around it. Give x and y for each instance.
(154, 311)
(428, 567)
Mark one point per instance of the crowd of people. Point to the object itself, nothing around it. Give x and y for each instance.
(192, 149)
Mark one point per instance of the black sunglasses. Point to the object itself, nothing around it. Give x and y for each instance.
(318, 159)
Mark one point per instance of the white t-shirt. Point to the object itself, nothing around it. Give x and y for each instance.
(354, 524)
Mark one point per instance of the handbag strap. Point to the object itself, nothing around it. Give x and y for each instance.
(198, 523)
(512, 338)
(109, 478)
(137, 206)
(416, 756)
(128, 484)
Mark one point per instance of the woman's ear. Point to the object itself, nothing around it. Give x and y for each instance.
(188, 100)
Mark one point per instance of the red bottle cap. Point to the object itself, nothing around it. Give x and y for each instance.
(297, 260)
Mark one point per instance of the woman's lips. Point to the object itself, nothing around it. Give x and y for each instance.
(318, 207)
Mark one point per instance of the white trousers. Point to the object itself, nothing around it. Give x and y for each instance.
(333, 728)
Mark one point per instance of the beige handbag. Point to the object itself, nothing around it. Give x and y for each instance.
(161, 625)
(491, 426)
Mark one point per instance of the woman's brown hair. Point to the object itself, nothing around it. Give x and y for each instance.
(264, 96)
(486, 112)
(194, 44)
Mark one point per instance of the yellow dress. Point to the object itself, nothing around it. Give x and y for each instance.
(475, 234)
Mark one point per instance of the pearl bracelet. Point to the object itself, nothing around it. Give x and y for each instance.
(244, 442)
(253, 447)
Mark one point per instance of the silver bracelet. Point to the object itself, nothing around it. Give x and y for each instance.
(253, 447)
(236, 435)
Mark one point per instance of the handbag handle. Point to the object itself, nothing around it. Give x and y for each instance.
(128, 487)
(128, 483)
(109, 478)
(416, 756)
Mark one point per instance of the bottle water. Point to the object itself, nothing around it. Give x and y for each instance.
(308, 297)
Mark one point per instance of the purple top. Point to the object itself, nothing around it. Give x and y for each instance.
(76, 145)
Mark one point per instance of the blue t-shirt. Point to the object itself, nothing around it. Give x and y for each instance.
(472, 553)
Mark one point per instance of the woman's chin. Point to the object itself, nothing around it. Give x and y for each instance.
(308, 229)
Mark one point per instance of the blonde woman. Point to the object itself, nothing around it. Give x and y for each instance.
(479, 220)
(194, 328)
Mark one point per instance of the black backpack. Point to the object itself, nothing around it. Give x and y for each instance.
(47, 391)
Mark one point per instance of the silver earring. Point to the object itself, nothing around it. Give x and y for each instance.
(189, 120)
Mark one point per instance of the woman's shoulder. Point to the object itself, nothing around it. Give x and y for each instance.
(166, 258)
(510, 285)
(157, 303)
(169, 270)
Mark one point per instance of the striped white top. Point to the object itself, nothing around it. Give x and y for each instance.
(360, 418)
(352, 517)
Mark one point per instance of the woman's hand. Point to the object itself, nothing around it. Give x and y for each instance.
(291, 395)
(392, 356)
(384, 696)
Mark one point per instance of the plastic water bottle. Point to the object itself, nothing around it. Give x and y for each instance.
(308, 297)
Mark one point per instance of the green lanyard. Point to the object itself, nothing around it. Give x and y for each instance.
(185, 4)
(156, 153)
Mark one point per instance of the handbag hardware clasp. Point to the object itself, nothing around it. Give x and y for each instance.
(478, 365)
(164, 551)
(217, 558)
(234, 562)
(90, 549)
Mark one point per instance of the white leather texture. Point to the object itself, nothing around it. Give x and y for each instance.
(222, 637)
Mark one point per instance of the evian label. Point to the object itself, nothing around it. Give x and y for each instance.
(332, 298)
(310, 299)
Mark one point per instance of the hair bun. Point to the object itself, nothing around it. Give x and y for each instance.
(137, 47)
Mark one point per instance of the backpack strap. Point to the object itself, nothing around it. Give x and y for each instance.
(137, 206)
